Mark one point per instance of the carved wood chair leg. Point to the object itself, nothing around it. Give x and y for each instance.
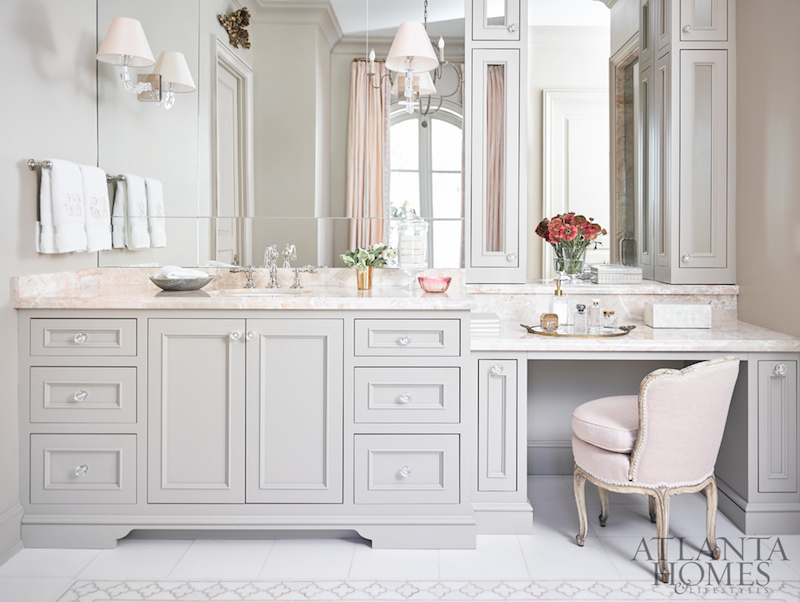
(603, 505)
(711, 517)
(662, 527)
(651, 502)
(579, 482)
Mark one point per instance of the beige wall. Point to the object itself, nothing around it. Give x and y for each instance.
(50, 47)
(571, 58)
(768, 157)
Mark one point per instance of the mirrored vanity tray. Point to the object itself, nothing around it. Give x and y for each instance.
(567, 332)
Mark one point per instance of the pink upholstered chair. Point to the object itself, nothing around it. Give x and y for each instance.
(660, 443)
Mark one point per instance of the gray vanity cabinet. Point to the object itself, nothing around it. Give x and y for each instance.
(777, 426)
(196, 404)
(294, 410)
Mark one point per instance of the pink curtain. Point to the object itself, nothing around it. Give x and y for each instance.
(495, 153)
(367, 155)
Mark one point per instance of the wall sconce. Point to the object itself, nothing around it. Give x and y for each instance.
(125, 44)
(170, 76)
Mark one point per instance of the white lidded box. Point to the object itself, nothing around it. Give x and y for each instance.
(667, 314)
(616, 274)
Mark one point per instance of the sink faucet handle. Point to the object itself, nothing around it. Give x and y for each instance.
(289, 254)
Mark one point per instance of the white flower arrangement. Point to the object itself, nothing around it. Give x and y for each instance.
(363, 258)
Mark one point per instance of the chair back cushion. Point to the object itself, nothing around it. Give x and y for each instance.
(610, 423)
(682, 415)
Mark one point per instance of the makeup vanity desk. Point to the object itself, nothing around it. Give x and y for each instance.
(374, 412)
(757, 468)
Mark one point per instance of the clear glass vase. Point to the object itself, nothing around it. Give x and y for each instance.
(568, 261)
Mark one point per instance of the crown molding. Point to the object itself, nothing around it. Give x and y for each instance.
(608, 3)
(319, 13)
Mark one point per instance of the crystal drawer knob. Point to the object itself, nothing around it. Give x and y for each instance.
(688, 29)
(780, 369)
(513, 28)
(511, 257)
(404, 340)
(80, 395)
(236, 335)
(81, 470)
(251, 334)
(80, 338)
(404, 398)
(405, 472)
(686, 258)
(497, 369)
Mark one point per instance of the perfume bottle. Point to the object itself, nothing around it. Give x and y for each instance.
(595, 317)
(609, 319)
(559, 305)
(581, 320)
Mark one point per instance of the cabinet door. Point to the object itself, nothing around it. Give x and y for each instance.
(497, 425)
(646, 20)
(704, 159)
(496, 20)
(645, 175)
(294, 410)
(777, 426)
(661, 161)
(495, 160)
(704, 20)
(196, 388)
(662, 25)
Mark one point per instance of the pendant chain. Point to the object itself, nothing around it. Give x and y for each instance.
(426, 15)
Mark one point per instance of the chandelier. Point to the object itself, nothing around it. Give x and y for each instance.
(417, 69)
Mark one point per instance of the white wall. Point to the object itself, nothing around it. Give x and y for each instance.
(560, 58)
(624, 22)
(49, 47)
(768, 155)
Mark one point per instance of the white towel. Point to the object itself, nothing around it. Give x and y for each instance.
(63, 227)
(119, 234)
(155, 212)
(136, 212)
(96, 208)
(173, 272)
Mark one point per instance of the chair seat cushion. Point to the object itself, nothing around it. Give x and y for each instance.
(610, 423)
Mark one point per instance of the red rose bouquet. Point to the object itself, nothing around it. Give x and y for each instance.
(570, 235)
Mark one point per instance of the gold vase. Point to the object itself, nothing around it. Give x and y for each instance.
(364, 279)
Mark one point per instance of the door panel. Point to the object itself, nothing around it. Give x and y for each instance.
(294, 411)
(196, 388)
(497, 425)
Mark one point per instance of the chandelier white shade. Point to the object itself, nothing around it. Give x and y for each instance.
(423, 84)
(411, 50)
(125, 44)
(174, 71)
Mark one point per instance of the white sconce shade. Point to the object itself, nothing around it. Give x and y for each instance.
(423, 84)
(125, 38)
(411, 43)
(172, 68)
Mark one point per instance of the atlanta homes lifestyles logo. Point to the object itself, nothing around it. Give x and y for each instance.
(744, 565)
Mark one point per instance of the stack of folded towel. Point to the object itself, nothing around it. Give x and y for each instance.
(138, 218)
(73, 209)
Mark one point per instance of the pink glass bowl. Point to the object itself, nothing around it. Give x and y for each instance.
(434, 284)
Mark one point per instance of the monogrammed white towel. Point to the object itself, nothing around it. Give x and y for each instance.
(62, 224)
(155, 212)
(96, 209)
(136, 211)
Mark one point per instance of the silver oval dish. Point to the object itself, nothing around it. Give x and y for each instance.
(181, 284)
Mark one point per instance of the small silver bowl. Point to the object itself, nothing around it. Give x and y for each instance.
(181, 284)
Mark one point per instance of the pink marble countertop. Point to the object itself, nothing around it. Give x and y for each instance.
(734, 337)
(145, 295)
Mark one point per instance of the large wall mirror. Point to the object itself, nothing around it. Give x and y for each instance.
(290, 141)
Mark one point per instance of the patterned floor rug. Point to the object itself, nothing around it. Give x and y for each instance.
(451, 591)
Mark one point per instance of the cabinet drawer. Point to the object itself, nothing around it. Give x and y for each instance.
(407, 469)
(82, 337)
(407, 395)
(83, 395)
(408, 338)
(83, 469)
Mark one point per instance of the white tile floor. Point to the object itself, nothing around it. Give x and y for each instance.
(508, 563)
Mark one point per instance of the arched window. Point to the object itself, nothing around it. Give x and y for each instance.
(426, 175)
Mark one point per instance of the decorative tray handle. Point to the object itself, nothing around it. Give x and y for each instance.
(618, 331)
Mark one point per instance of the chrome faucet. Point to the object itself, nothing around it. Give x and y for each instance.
(249, 270)
(271, 262)
(289, 253)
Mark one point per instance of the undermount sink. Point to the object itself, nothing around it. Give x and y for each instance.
(262, 292)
